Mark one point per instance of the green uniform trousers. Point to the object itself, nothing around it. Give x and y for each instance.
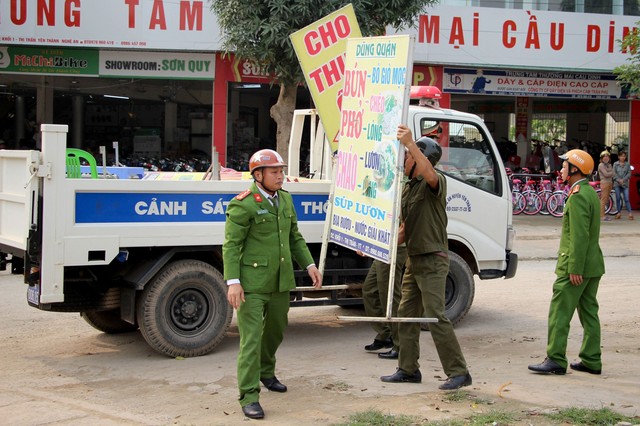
(566, 299)
(423, 288)
(262, 319)
(375, 291)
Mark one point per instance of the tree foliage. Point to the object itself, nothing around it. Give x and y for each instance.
(259, 31)
(629, 73)
(549, 129)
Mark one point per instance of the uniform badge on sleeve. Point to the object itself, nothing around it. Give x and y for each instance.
(243, 195)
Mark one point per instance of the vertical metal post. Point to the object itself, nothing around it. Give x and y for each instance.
(54, 145)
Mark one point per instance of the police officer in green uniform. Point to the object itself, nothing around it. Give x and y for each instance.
(424, 230)
(579, 268)
(261, 241)
(375, 292)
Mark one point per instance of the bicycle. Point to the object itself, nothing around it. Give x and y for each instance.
(524, 196)
(533, 201)
(555, 203)
(546, 187)
(517, 199)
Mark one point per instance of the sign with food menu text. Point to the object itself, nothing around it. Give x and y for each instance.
(369, 162)
(320, 48)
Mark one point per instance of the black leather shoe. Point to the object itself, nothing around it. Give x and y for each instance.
(392, 354)
(548, 366)
(456, 382)
(401, 376)
(579, 366)
(253, 410)
(274, 385)
(379, 344)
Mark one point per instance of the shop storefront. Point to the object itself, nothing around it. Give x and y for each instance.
(518, 67)
(152, 76)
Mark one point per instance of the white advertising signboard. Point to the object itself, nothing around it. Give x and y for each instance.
(368, 170)
(520, 38)
(128, 24)
(186, 66)
(448, 35)
(531, 83)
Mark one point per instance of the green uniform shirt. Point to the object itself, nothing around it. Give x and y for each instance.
(261, 241)
(425, 217)
(579, 252)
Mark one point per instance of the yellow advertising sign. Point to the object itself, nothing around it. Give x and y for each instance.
(369, 166)
(320, 49)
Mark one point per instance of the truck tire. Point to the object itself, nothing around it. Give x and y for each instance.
(184, 311)
(459, 291)
(108, 321)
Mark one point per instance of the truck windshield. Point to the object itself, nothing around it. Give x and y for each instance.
(466, 153)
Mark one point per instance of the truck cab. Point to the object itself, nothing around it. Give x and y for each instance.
(479, 203)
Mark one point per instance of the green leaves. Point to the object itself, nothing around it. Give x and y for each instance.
(259, 31)
(629, 74)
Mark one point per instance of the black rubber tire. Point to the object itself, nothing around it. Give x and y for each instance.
(184, 310)
(459, 292)
(108, 321)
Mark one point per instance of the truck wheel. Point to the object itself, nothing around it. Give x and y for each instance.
(459, 291)
(108, 321)
(184, 311)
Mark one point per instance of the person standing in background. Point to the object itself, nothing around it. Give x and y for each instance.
(621, 177)
(579, 268)
(605, 174)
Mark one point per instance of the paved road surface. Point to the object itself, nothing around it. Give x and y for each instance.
(57, 370)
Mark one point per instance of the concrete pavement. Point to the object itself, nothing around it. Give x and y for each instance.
(537, 236)
(545, 226)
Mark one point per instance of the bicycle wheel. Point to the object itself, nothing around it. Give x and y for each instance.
(609, 205)
(519, 203)
(545, 195)
(555, 204)
(534, 202)
(613, 208)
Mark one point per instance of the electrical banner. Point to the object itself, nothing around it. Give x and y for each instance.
(369, 165)
(531, 83)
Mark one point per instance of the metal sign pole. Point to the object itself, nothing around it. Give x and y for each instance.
(327, 220)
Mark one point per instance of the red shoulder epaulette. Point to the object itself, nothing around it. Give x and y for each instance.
(243, 195)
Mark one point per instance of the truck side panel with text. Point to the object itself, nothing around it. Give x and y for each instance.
(146, 254)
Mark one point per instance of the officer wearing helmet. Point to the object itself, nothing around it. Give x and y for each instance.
(424, 230)
(605, 175)
(261, 241)
(578, 271)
